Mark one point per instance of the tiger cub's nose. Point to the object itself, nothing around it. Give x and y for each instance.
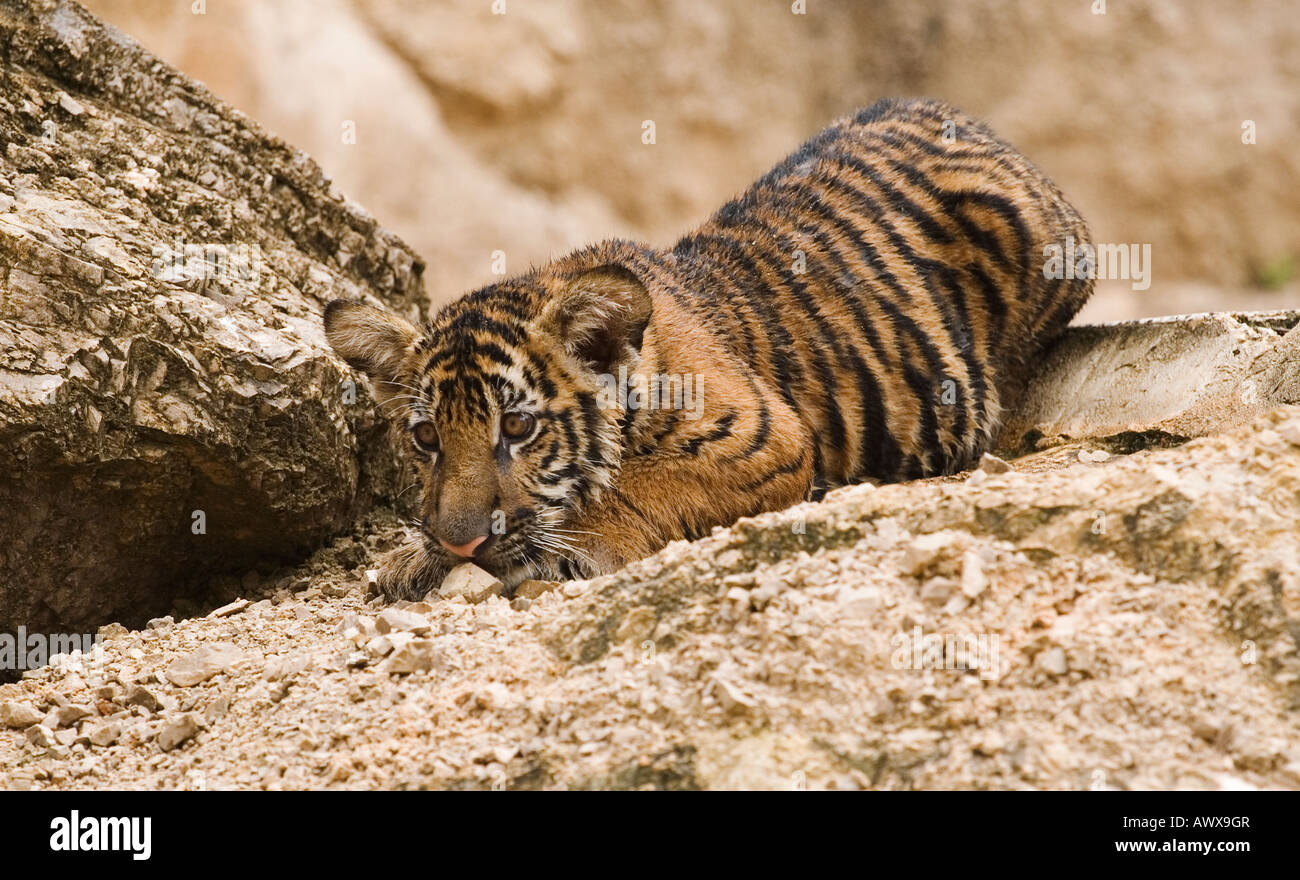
(465, 550)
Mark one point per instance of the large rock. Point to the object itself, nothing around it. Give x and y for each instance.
(162, 417)
(1159, 381)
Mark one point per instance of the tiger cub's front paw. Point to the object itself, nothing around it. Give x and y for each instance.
(410, 572)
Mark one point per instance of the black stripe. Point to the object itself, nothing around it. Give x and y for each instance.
(759, 440)
(875, 459)
(475, 321)
(994, 305)
(974, 360)
(781, 470)
(718, 287)
(720, 432)
(957, 329)
(593, 453)
(836, 426)
(899, 202)
(551, 454)
(907, 142)
(817, 488)
(541, 371)
(758, 298)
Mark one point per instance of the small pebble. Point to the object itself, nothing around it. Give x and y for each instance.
(177, 731)
(471, 582)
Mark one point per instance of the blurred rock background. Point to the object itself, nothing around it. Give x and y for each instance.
(470, 132)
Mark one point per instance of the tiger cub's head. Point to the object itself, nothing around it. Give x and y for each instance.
(499, 396)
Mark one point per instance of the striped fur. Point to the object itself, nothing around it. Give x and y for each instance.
(864, 311)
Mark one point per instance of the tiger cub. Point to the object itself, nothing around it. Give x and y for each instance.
(862, 312)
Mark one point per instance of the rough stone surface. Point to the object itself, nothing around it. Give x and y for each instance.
(530, 589)
(141, 696)
(1138, 617)
(17, 714)
(991, 464)
(139, 388)
(64, 716)
(1159, 381)
(401, 620)
(178, 731)
(198, 666)
(417, 655)
(469, 582)
(103, 734)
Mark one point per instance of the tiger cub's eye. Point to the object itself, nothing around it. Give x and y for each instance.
(517, 425)
(426, 436)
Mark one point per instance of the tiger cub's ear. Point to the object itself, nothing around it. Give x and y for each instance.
(372, 340)
(601, 316)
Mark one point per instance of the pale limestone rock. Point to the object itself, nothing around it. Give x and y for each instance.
(15, 713)
(471, 582)
(202, 664)
(178, 731)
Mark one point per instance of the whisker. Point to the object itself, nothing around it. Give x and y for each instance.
(393, 384)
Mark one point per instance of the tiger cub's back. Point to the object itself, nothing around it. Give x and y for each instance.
(888, 277)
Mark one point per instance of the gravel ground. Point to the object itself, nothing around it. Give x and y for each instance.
(1130, 620)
